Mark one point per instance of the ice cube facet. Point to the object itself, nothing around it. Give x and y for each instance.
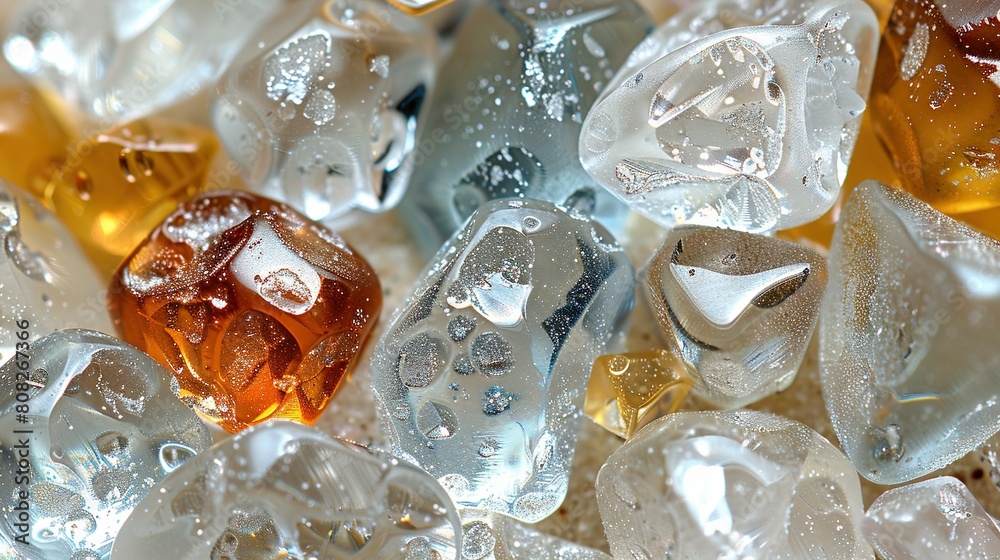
(937, 518)
(45, 280)
(119, 59)
(506, 117)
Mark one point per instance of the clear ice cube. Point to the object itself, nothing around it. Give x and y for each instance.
(506, 116)
(935, 519)
(117, 60)
(325, 110)
(103, 428)
(738, 307)
(736, 114)
(908, 335)
(45, 280)
(481, 376)
(282, 490)
(740, 484)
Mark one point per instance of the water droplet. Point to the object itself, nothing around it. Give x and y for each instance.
(113, 445)
(492, 354)
(199, 227)
(624, 493)
(32, 264)
(601, 133)
(286, 111)
(529, 505)
(226, 545)
(618, 364)
(291, 70)
(420, 549)
(321, 107)
(112, 485)
(915, 51)
(489, 447)
(463, 365)
(79, 525)
(420, 359)
(581, 203)
(478, 541)
(173, 455)
(496, 400)
(889, 444)
(981, 160)
(402, 411)
(941, 95)
(250, 521)
(286, 290)
(460, 326)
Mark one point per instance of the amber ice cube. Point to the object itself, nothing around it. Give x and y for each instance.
(33, 139)
(628, 391)
(118, 185)
(936, 101)
(258, 311)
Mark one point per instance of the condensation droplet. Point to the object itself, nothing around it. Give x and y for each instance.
(530, 224)
(618, 364)
(420, 359)
(460, 327)
(321, 107)
(492, 354)
(496, 400)
(173, 455)
(420, 549)
(915, 51)
(489, 447)
(113, 445)
(478, 541)
(380, 65)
